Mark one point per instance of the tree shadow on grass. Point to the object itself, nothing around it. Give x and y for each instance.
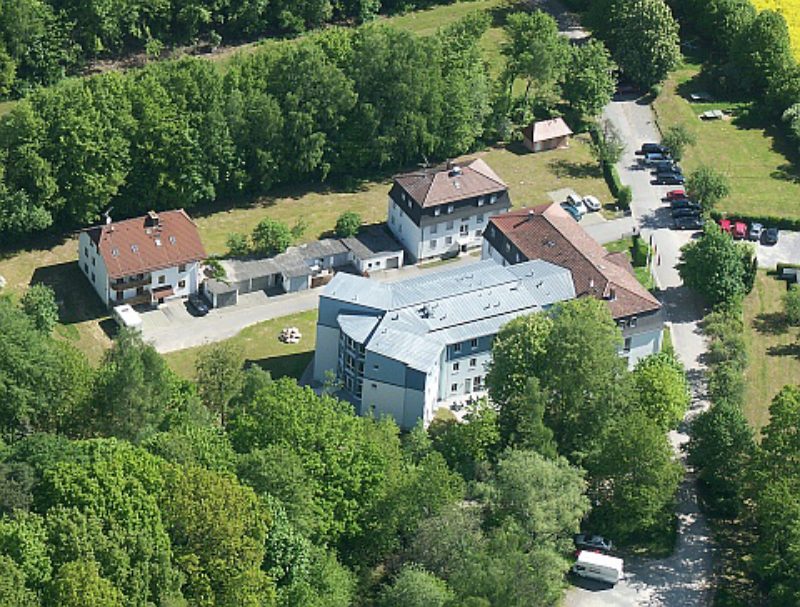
(785, 350)
(771, 323)
(288, 365)
(76, 298)
(568, 169)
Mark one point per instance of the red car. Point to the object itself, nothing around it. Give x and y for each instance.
(726, 225)
(676, 195)
(740, 230)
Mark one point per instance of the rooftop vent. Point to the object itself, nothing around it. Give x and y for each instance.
(158, 242)
(135, 248)
(115, 252)
(172, 240)
(455, 171)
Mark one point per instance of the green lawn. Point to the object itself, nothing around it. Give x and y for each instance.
(773, 347)
(529, 177)
(643, 273)
(259, 344)
(759, 163)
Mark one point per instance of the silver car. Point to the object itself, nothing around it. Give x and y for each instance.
(592, 203)
(756, 230)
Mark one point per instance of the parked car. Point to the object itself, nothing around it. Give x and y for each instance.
(685, 212)
(650, 159)
(756, 230)
(685, 203)
(600, 567)
(576, 202)
(770, 236)
(726, 225)
(675, 195)
(666, 166)
(571, 210)
(669, 179)
(740, 230)
(586, 541)
(652, 148)
(197, 304)
(592, 203)
(689, 222)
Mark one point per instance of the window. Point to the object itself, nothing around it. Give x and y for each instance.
(473, 362)
(476, 382)
(92, 276)
(480, 218)
(457, 348)
(181, 268)
(480, 201)
(478, 233)
(454, 388)
(391, 219)
(181, 284)
(456, 367)
(492, 231)
(450, 225)
(120, 295)
(508, 247)
(86, 251)
(434, 228)
(85, 267)
(162, 279)
(633, 321)
(449, 208)
(473, 343)
(437, 211)
(493, 199)
(433, 243)
(627, 346)
(93, 264)
(448, 240)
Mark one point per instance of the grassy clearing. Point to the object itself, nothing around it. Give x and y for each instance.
(529, 177)
(259, 345)
(758, 161)
(773, 347)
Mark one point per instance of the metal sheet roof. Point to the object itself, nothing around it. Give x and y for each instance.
(417, 351)
(356, 327)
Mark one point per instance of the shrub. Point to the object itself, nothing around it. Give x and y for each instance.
(791, 305)
(624, 197)
(238, 244)
(348, 224)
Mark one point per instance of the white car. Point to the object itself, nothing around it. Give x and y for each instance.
(592, 203)
(576, 202)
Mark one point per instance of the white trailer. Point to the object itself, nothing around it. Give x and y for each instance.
(596, 566)
(126, 316)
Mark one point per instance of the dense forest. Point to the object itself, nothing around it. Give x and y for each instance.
(340, 103)
(41, 41)
(125, 485)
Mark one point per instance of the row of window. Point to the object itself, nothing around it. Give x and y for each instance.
(464, 228)
(473, 362)
(450, 208)
(471, 384)
(473, 343)
(448, 240)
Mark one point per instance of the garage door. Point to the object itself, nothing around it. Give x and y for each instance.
(393, 262)
(227, 299)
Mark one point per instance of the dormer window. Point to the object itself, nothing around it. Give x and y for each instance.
(633, 321)
(449, 208)
(493, 199)
(480, 201)
(437, 211)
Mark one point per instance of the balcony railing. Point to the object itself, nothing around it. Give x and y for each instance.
(132, 284)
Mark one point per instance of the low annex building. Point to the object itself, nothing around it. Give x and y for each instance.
(145, 260)
(404, 349)
(548, 233)
(546, 135)
(444, 210)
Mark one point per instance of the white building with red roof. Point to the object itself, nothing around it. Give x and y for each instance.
(444, 210)
(549, 234)
(147, 259)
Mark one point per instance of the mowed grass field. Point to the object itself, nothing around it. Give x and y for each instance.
(759, 162)
(259, 345)
(773, 347)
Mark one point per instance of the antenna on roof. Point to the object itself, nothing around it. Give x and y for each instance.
(107, 215)
(424, 164)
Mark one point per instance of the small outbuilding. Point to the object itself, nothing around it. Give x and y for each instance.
(546, 135)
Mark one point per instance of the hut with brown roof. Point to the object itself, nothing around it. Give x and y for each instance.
(546, 135)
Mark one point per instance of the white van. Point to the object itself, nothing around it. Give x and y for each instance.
(596, 566)
(127, 317)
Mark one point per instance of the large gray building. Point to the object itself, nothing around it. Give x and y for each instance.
(404, 349)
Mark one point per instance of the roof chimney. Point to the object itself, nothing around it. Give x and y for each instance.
(152, 218)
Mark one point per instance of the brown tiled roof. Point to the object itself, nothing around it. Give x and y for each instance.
(152, 242)
(547, 232)
(545, 130)
(432, 187)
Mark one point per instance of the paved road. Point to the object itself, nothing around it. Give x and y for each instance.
(682, 579)
(171, 327)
